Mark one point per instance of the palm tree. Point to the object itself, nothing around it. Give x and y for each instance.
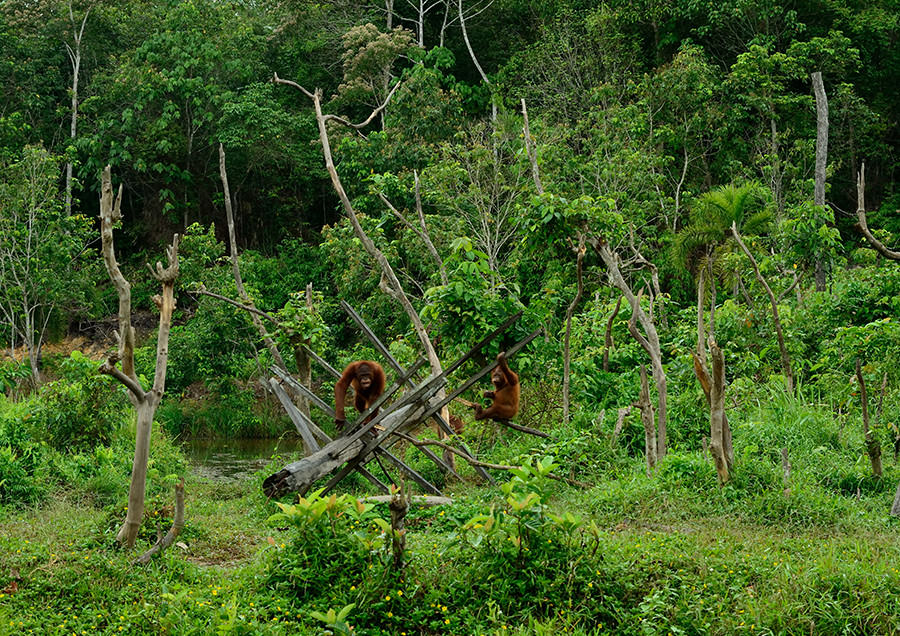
(700, 246)
(707, 237)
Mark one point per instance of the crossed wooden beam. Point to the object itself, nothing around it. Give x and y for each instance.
(367, 441)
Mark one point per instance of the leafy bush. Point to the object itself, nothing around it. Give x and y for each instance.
(81, 410)
(333, 538)
(686, 471)
(19, 469)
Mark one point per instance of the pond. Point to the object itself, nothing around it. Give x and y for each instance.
(235, 460)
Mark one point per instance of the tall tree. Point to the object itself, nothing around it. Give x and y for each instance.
(145, 402)
(42, 250)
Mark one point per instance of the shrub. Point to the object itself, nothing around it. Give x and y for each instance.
(19, 470)
(80, 410)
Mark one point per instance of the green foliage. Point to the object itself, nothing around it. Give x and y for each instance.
(81, 410)
(20, 468)
(12, 374)
(333, 538)
(43, 260)
(368, 58)
(301, 321)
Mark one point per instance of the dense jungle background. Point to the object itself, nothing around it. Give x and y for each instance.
(699, 193)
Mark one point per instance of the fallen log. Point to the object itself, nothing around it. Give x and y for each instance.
(300, 475)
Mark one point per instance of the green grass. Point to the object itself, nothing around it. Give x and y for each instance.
(667, 553)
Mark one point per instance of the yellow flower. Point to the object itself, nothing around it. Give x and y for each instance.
(388, 597)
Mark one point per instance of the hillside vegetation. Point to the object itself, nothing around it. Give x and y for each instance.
(695, 204)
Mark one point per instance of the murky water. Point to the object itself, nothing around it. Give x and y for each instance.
(235, 460)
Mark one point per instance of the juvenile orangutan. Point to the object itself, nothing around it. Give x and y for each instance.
(367, 379)
(505, 394)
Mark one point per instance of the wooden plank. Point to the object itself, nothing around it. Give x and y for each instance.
(312, 354)
(403, 415)
(312, 397)
(421, 500)
(295, 414)
(410, 472)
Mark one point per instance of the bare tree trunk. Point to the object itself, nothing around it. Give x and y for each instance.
(777, 178)
(785, 471)
(621, 414)
(873, 448)
(861, 223)
(895, 508)
(145, 402)
(421, 232)
(389, 10)
(650, 343)
(579, 251)
(484, 77)
(399, 506)
(785, 357)
(529, 148)
(821, 160)
(74, 53)
(236, 269)
(717, 424)
(701, 335)
(646, 407)
(608, 339)
(711, 278)
(303, 361)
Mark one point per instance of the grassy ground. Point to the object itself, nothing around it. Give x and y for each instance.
(664, 558)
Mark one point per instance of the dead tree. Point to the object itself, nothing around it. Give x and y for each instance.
(646, 408)
(821, 159)
(462, 25)
(717, 422)
(74, 53)
(861, 223)
(608, 337)
(785, 356)
(145, 402)
(701, 370)
(529, 148)
(873, 448)
(235, 267)
(570, 310)
(390, 284)
(649, 342)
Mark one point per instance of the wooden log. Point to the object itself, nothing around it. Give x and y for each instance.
(419, 500)
(524, 429)
(297, 417)
(299, 476)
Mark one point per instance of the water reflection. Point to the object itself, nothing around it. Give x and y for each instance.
(235, 460)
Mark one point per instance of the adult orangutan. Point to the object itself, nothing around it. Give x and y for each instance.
(505, 394)
(367, 379)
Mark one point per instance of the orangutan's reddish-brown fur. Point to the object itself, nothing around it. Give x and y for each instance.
(505, 394)
(367, 379)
